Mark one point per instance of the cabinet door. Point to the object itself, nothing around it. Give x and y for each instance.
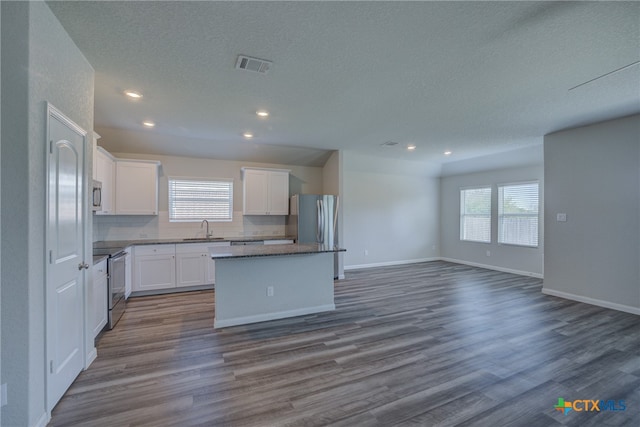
(136, 188)
(98, 298)
(128, 279)
(190, 269)
(278, 193)
(255, 187)
(210, 270)
(154, 272)
(94, 168)
(105, 173)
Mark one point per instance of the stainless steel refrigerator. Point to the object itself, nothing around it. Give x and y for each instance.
(313, 219)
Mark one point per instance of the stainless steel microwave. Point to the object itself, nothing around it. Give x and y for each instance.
(96, 196)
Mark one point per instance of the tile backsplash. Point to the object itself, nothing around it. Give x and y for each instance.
(135, 227)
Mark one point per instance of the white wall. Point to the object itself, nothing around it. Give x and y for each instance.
(521, 260)
(390, 209)
(302, 179)
(592, 174)
(40, 63)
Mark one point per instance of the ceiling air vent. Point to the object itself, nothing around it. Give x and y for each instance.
(253, 64)
(389, 144)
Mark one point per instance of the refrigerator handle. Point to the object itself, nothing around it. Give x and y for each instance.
(319, 228)
(335, 220)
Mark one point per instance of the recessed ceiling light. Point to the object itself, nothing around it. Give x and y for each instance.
(447, 153)
(248, 135)
(262, 113)
(411, 147)
(148, 123)
(133, 94)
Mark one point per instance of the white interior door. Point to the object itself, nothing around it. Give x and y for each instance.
(65, 243)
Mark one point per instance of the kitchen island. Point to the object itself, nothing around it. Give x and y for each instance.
(260, 283)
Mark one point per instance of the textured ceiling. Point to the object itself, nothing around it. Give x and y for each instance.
(473, 77)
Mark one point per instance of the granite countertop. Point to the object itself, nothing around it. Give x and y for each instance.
(110, 247)
(227, 252)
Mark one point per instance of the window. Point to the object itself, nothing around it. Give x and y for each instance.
(192, 200)
(475, 214)
(518, 214)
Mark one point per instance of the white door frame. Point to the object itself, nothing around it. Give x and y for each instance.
(53, 111)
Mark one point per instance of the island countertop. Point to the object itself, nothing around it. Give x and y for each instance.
(227, 252)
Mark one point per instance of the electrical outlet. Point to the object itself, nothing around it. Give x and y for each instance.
(366, 252)
(269, 291)
(561, 217)
(3, 391)
(488, 253)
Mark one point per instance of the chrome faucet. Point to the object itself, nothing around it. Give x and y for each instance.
(202, 223)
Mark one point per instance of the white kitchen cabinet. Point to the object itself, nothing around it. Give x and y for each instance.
(99, 309)
(194, 266)
(265, 191)
(128, 271)
(105, 173)
(154, 267)
(96, 137)
(136, 187)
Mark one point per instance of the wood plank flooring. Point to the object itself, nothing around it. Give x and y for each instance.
(416, 345)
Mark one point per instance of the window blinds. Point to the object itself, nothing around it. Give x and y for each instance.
(475, 214)
(518, 214)
(197, 199)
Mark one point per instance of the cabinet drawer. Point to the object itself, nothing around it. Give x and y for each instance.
(155, 250)
(187, 248)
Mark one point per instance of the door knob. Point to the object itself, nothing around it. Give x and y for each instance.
(83, 265)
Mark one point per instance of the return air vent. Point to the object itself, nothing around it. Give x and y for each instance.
(389, 144)
(253, 64)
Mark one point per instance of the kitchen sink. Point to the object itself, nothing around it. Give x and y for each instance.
(202, 239)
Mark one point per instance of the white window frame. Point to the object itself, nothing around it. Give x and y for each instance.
(464, 215)
(202, 216)
(502, 239)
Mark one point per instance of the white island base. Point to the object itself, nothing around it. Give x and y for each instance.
(300, 283)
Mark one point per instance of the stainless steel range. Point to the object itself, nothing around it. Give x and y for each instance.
(116, 274)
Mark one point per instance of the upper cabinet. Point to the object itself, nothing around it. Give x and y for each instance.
(105, 172)
(136, 187)
(265, 191)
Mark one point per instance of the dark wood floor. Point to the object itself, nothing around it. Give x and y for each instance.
(419, 345)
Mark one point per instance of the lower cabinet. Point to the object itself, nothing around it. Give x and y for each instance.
(128, 278)
(154, 267)
(99, 310)
(159, 267)
(194, 266)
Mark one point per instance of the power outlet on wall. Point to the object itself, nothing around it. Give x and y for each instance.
(269, 291)
(488, 253)
(366, 252)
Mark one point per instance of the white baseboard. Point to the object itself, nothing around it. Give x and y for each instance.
(43, 420)
(223, 323)
(592, 301)
(388, 263)
(93, 355)
(493, 267)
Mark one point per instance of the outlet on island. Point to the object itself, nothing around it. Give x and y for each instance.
(269, 291)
